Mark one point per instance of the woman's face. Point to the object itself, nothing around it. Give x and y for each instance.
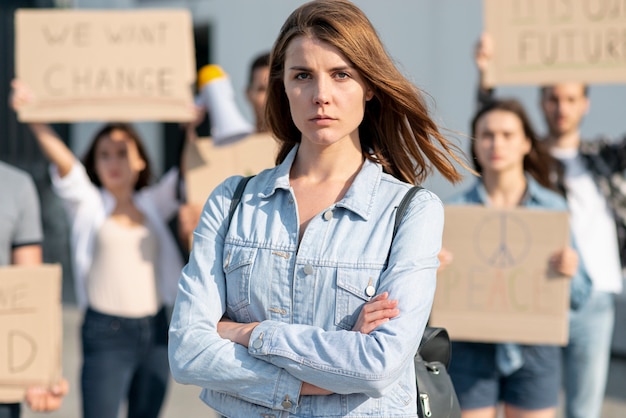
(500, 144)
(117, 161)
(326, 94)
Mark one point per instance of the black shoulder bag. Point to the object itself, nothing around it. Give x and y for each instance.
(436, 395)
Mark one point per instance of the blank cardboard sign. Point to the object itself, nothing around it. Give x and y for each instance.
(30, 326)
(207, 164)
(499, 286)
(106, 65)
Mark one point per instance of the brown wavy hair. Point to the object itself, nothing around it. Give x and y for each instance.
(538, 162)
(89, 160)
(396, 127)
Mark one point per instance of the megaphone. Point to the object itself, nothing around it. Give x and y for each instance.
(216, 94)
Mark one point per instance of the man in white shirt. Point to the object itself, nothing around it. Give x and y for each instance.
(593, 216)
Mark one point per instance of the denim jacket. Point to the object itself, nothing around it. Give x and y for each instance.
(508, 355)
(307, 298)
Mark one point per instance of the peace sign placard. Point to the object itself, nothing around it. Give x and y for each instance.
(499, 286)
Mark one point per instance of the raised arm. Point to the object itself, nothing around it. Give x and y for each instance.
(483, 54)
(51, 145)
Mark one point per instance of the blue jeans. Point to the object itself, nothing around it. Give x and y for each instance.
(124, 359)
(9, 410)
(587, 356)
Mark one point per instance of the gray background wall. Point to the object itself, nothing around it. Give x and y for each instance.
(431, 40)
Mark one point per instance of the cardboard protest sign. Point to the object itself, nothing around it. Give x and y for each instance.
(207, 165)
(499, 286)
(105, 65)
(30, 327)
(545, 41)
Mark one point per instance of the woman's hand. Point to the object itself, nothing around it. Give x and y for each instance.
(309, 389)
(236, 332)
(51, 145)
(40, 399)
(565, 261)
(377, 311)
(483, 53)
(240, 334)
(445, 258)
(20, 96)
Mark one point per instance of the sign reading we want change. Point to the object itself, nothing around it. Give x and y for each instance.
(551, 41)
(30, 328)
(105, 65)
(499, 286)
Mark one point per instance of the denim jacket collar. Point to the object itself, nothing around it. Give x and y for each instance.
(361, 204)
(533, 193)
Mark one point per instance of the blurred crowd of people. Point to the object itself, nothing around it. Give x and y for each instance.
(286, 301)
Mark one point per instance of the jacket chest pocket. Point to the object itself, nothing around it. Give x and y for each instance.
(238, 263)
(355, 287)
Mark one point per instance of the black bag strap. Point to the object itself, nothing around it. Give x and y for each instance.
(241, 186)
(435, 344)
(401, 209)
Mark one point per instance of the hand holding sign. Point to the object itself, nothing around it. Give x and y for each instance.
(507, 281)
(42, 399)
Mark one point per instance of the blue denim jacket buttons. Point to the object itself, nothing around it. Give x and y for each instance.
(258, 343)
(308, 269)
(287, 404)
(328, 215)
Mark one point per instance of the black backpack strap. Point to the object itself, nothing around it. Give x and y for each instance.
(402, 208)
(404, 204)
(435, 344)
(237, 197)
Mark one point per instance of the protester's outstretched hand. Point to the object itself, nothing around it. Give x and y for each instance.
(41, 399)
(484, 52)
(445, 258)
(483, 55)
(20, 95)
(565, 261)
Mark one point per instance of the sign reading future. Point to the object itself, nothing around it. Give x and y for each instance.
(106, 65)
(550, 41)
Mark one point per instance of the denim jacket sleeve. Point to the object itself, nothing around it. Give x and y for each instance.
(350, 362)
(197, 354)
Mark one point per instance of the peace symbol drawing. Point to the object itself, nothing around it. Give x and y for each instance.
(503, 252)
